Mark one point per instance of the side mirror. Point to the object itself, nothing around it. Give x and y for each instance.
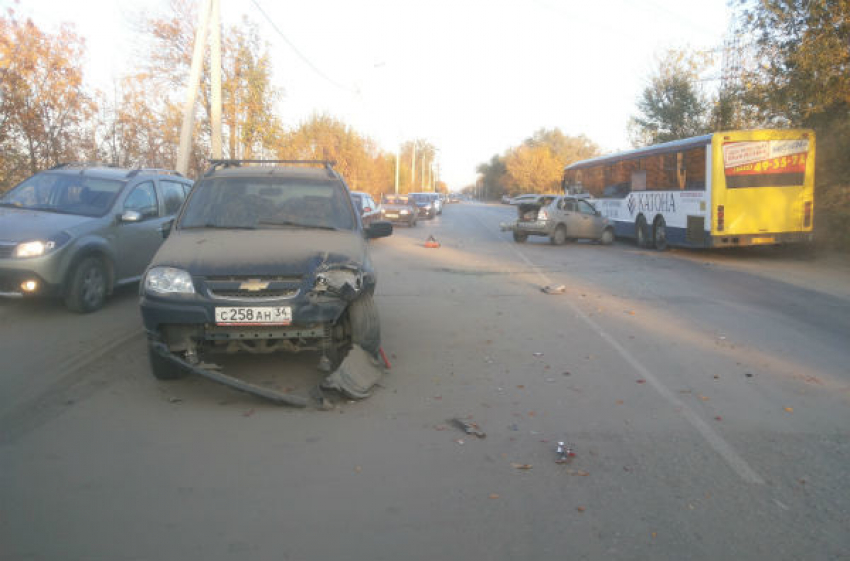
(380, 229)
(131, 216)
(165, 229)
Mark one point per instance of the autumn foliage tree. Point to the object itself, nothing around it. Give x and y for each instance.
(44, 107)
(536, 165)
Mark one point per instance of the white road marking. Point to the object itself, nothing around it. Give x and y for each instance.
(723, 448)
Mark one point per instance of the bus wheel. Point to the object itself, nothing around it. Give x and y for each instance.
(641, 232)
(559, 236)
(659, 236)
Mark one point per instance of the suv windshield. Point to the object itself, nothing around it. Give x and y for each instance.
(268, 202)
(64, 193)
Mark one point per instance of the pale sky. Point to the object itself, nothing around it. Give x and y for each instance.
(473, 77)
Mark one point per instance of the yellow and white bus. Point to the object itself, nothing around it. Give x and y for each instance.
(734, 188)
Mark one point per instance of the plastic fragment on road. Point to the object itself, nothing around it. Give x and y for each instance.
(548, 289)
(565, 453)
(356, 375)
(432, 242)
(469, 427)
(384, 356)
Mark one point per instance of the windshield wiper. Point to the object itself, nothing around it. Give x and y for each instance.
(218, 226)
(298, 225)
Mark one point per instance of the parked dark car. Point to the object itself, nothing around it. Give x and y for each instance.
(399, 208)
(425, 203)
(369, 210)
(262, 258)
(77, 231)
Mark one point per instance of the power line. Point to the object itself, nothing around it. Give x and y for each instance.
(300, 55)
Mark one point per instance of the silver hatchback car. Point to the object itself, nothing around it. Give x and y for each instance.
(560, 218)
(77, 232)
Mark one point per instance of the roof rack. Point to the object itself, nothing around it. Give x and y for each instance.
(160, 171)
(64, 165)
(215, 164)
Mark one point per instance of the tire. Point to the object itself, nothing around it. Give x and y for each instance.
(607, 237)
(86, 290)
(659, 234)
(559, 236)
(641, 233)
(365, 324)
(519, 237)
(163, 369)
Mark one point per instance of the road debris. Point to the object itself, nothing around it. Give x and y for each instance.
(384, 356)
(560, 289)
(357, 374)
(578, 472)
(580, 508)
(538, 355)
(565, 453)
(641, 381)
(513, 427)
(494, 496)
(789, 409)
(175, 400)
(521, 466)
(749, 374)
(432, 242)
(470, 427)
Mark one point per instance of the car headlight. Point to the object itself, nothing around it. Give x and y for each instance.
(168, 280)
(37, 248)
(405, 211)
(33, 249)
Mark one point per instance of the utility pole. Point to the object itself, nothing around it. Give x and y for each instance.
(192, 90)
(397, 150)
(215, 71)
(413, 169)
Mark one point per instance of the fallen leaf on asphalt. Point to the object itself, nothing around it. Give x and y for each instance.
(531, 413)
(789, 409)
(718, 418)
(520, 387)
(704, 398)
(521, 466)
(619, 402)
(641, 381)
(654, 534)
(579, 472)
(441, 427)
(358, 469)
(494, 496)
(248, 413)
(580, 509)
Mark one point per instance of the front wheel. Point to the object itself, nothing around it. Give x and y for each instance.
(659, 236)
(607, 237)
(86, 291)
(519, 237)
(365, 324)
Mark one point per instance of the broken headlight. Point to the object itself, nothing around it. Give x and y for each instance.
(340, 281)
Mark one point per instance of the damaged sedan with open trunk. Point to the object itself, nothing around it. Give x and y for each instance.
(263, 258)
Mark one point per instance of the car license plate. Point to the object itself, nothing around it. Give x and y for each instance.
(266, 315)
(392, 215)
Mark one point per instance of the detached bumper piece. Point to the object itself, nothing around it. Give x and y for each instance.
(284, 399)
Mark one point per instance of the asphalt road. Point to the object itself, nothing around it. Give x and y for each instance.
(705, 395)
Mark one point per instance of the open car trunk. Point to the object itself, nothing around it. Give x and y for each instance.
(527, 212)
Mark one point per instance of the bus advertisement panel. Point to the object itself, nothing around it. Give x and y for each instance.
(732, 188)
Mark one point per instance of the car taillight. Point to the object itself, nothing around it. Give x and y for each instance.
(720, 218)
(807, 214)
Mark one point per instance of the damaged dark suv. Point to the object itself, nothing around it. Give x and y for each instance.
(265, 256)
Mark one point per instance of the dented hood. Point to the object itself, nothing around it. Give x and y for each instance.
(219, 252)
